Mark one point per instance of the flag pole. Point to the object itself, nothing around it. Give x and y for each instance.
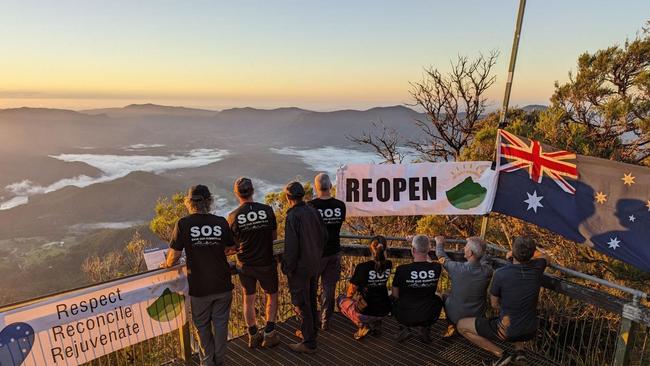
(506, 95)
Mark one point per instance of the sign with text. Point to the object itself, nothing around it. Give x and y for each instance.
(459, 188)
(77, 327)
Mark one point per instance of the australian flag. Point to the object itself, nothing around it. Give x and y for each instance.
(601, 203)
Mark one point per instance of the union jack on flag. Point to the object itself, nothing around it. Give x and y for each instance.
(518, 154)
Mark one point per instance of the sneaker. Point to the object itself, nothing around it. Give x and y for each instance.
(270, 339)
(450, 332)
(504, 360)
(520, 356)
(375, 328)
(255, 340)
(423, 334)
(403, 334)
(324, 325)
(301, 348)
(361, 332)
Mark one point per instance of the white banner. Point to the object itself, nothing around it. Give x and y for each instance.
(77, 327)
(459, 188)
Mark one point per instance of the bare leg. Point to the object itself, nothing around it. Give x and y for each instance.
(467, 328)
(271, 307)
(249, 309)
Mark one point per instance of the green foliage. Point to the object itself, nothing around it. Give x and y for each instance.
(168, 211)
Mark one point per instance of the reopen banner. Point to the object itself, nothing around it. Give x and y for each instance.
(458, 188)
(77, 327)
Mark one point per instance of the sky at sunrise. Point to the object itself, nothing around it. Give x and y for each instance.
(321, 55)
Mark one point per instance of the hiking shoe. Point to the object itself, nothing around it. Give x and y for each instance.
(301, 348)
(520, 356)
(375, 328)
(361, 332)
(255, 340)
(271, 339)
(504, 360)
(403, 334)
(324, 325)
(423, 334)
(450, 332)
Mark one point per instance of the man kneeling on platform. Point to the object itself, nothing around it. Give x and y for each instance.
(514, 291)
(417, 306)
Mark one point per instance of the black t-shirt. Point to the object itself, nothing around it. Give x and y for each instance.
(333, 213)
(373, 287)
(204, 238)
(417, 283)
(253, 224)
(517, 285)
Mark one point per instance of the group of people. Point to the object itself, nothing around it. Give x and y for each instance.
(312, 254)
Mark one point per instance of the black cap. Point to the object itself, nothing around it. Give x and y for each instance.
(199, 193)
(294, 190)
(243, 187)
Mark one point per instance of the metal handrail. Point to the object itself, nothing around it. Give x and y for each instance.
(637, 295)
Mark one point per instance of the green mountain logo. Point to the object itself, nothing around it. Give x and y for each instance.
(167, 307)
(468, 194)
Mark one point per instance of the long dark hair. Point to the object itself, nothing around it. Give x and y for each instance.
(378, 247)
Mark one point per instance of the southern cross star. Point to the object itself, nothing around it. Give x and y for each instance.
(533, 201)
(601, 197)
(613, 243)
(628, 179)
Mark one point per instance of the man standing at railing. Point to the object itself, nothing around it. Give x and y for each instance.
(254, 226)
(304, 239)
(515, 292)
(206, 239)
(333, 213)
(469, 281)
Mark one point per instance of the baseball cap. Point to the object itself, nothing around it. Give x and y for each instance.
(199, 193)
(243, 187)
(294, 190)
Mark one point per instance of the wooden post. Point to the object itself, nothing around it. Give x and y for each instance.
(484, 225)
(626, 333)
(186, 340)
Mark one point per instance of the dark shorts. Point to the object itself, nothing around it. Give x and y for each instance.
(489, 328)
(267, 276)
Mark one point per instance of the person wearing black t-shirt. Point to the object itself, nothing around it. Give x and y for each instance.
(333, 213)
(206, 239)
(254, 226)
(304, 239)
(515, 292)
(368, 285)
(417, 306)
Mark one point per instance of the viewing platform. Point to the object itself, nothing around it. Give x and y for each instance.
(579, 324)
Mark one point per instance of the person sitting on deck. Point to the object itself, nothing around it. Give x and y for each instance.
(515, 291)
(367, 301)
(469, 281)
(417, 306)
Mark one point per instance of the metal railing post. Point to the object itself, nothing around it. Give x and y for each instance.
(185, 339)
(626, 334)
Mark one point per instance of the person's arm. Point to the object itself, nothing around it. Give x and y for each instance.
(291, 245)
(352, 289)
(541, 254)
(495, 301)
(228, 240)
(443, 258)
(172, 258)
(274, 225)
(176, 245)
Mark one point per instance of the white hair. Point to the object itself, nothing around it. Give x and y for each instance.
(421, 243)
(477, 246)
(322, 182)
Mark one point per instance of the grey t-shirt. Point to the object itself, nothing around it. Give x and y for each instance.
(469, 283)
